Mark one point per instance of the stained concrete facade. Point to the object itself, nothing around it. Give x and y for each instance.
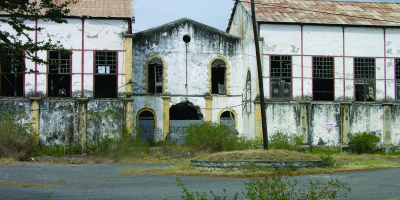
(327, 121)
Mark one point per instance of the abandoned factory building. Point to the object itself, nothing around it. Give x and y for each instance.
(329, 68)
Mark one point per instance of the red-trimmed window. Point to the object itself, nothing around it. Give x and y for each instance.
(323, 84)
(281, 77)
(105, 77)
(364, 71)
(59, 75)
(397, 79)
(12, 75)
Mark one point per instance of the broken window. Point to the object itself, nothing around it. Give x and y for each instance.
(323, 84)
(105, 77)
(281, 77)
(12, 76)
(365, 79)
(248, 92)
(218, 77)
(397, 79)
(155, 84)
(59, 75)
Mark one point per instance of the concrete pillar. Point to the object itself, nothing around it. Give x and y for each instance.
(166, 100)
(128, 111)
(304, 121)
(387, 123)
(82, 120)
(208, 108)
(257, 119)
(128, 65)
(345, 121)
(35, 111)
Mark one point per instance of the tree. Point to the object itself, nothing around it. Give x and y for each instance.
(17, 13)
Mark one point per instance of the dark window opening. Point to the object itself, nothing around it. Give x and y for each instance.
(105, 78)
(218, 77)
(155, 76)
(364, 79)
(12, 75)
(183, 111)
(281, 77)
(59, 75)
(397, 79)
(323, 83)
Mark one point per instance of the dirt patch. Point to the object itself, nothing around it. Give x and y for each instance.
(265, 155)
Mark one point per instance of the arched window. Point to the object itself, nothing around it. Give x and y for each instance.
(155, 75)
(218, 77)
(248, 92)
(228, 118)
(147, 123)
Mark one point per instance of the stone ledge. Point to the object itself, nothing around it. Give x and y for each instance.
(232, 165)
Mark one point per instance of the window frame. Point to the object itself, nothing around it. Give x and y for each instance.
(59, 59)
(112, 72)
(214, 65)
(324, 74)
(17, 76)
(154, 68)
(279, 78)
(364, 78)
(397, 79)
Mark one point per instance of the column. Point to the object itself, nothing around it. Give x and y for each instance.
(35, 111)
(387, 123)
(304, 121)
(166, 100)
(82, 120)
(208, 108)
(345, 121)
(128, 111)
(257, 119)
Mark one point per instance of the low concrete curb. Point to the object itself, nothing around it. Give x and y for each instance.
(232, 165)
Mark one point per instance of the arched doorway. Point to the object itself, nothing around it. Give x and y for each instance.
(146, 122)
(180, 116)
(228, 118)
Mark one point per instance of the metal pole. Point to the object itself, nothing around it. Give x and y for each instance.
(260, 78)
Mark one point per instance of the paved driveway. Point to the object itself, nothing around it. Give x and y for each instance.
(103, 182)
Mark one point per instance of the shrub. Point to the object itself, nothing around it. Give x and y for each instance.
(211, 137)
(15, 138)
(363, 142)
(276, 188)
(284, 141)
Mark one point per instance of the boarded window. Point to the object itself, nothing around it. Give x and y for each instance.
(365, 79)
(218, 77)
(323, 84)
(155, 84)
(146, 126)
(281, 77)
(105, 77)
(397, 79)
(59, 75)
(12, 75)
(248, 92)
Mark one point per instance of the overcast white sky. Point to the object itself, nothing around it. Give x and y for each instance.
(215, 13)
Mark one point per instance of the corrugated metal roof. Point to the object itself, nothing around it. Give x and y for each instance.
(326, 12)
(99, 8)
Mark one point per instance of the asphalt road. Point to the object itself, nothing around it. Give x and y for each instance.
(103, 182)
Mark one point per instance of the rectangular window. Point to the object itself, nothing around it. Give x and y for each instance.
(59, 75)
(12, 75)
(105, 78)
(397, 79)
(364, 79)
(281, 77)
(323, 84)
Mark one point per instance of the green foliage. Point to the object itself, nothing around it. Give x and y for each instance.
(186, 195)
(324, 152)
(281, 140)
(20, 11)
(15, 138)
(329, 162)
(363, 142)
(213, 137)
(279, 187)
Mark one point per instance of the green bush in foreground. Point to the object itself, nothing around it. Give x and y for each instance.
(285, 141)
(276, 188)
(15, 137)
(213, 137)
(363, 142)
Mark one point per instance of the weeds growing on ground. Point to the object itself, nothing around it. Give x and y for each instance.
(285, 141)
(363, 142)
